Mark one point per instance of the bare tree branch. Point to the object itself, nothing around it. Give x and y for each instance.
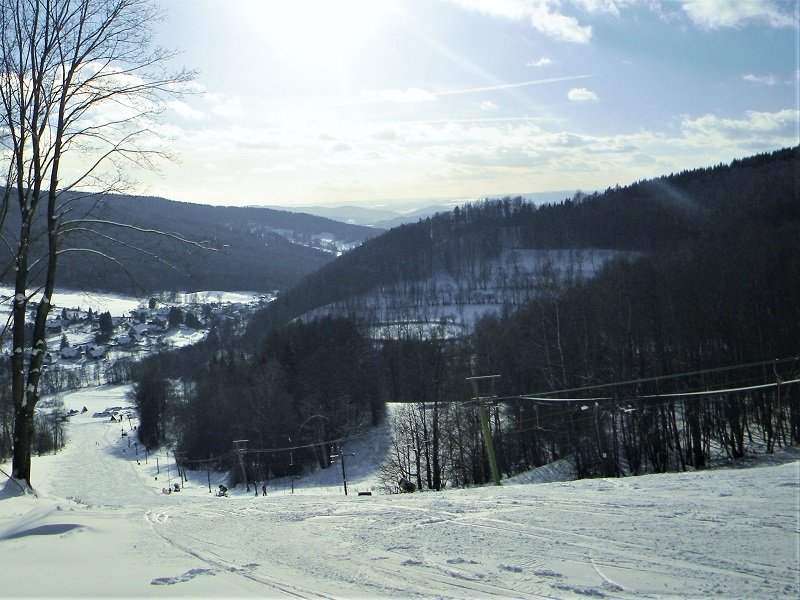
(175, 236)
(63, 65)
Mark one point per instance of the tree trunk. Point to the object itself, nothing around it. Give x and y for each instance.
(437, 467)
(23, 442)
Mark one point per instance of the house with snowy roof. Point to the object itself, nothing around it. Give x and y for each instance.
(72, 352)
(96, 351)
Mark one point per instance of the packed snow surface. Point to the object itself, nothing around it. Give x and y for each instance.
(101, 527)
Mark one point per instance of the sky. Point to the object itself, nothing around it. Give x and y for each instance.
(393, 102)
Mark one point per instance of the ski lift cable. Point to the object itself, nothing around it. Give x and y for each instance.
(723, 391)
(618, 398)
(667, 377)
(540, 399)
(315, 444)
(666, 395)
(556, 400)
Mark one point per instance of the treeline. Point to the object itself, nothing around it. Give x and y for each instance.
(48, 423)
(437, 445)
(616, 375)
(306, 385)
(730, 300)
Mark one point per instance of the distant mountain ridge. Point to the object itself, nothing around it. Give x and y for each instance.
(405, 212)
(254, 249)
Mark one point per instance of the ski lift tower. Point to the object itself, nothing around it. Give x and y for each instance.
(479, 397)
(341, 455)
(240, 449)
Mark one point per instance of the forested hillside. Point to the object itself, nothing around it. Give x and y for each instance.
(477, 253)
(254, 249)
(677, 353)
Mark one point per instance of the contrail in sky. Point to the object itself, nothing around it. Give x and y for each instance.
(505, 86)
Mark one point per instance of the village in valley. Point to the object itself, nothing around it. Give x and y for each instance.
(85, 330)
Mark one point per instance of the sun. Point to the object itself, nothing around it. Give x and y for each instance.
(317, 32)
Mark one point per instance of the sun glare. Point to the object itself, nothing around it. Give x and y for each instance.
(309, 32)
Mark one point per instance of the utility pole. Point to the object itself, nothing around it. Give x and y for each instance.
(487, 434)
(240, 448)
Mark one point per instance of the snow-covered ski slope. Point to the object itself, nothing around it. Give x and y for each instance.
(101, 527)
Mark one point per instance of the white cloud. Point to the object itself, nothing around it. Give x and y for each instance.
(602, 6)
(757, 129)
(385, 135)
(341, 147)
(768, 80)
(558, 26)
(714, 14)
(228, 107)
(544, 15)
(406, 96)
(507, 9)
(581, 95)
(487, 105)
(183, 110)
(542, 62)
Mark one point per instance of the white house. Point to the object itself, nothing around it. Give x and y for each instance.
(94, 351)
(123, 340)
(72, 352)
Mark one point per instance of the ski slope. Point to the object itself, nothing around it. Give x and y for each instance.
(101, 527)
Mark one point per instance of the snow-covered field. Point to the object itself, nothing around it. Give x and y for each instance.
(101, 527)
(119, 305)
(113, 303)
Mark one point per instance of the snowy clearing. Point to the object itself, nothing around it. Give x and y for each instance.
(101, 527)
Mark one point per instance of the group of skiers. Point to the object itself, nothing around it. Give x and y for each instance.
(223, 491)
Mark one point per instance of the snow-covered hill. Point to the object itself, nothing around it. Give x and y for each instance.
(516, 277)
(102, 527)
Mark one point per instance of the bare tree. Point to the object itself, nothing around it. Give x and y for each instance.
(81, 83)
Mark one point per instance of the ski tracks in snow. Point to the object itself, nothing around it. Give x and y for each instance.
(216, 563)
(496, 545)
